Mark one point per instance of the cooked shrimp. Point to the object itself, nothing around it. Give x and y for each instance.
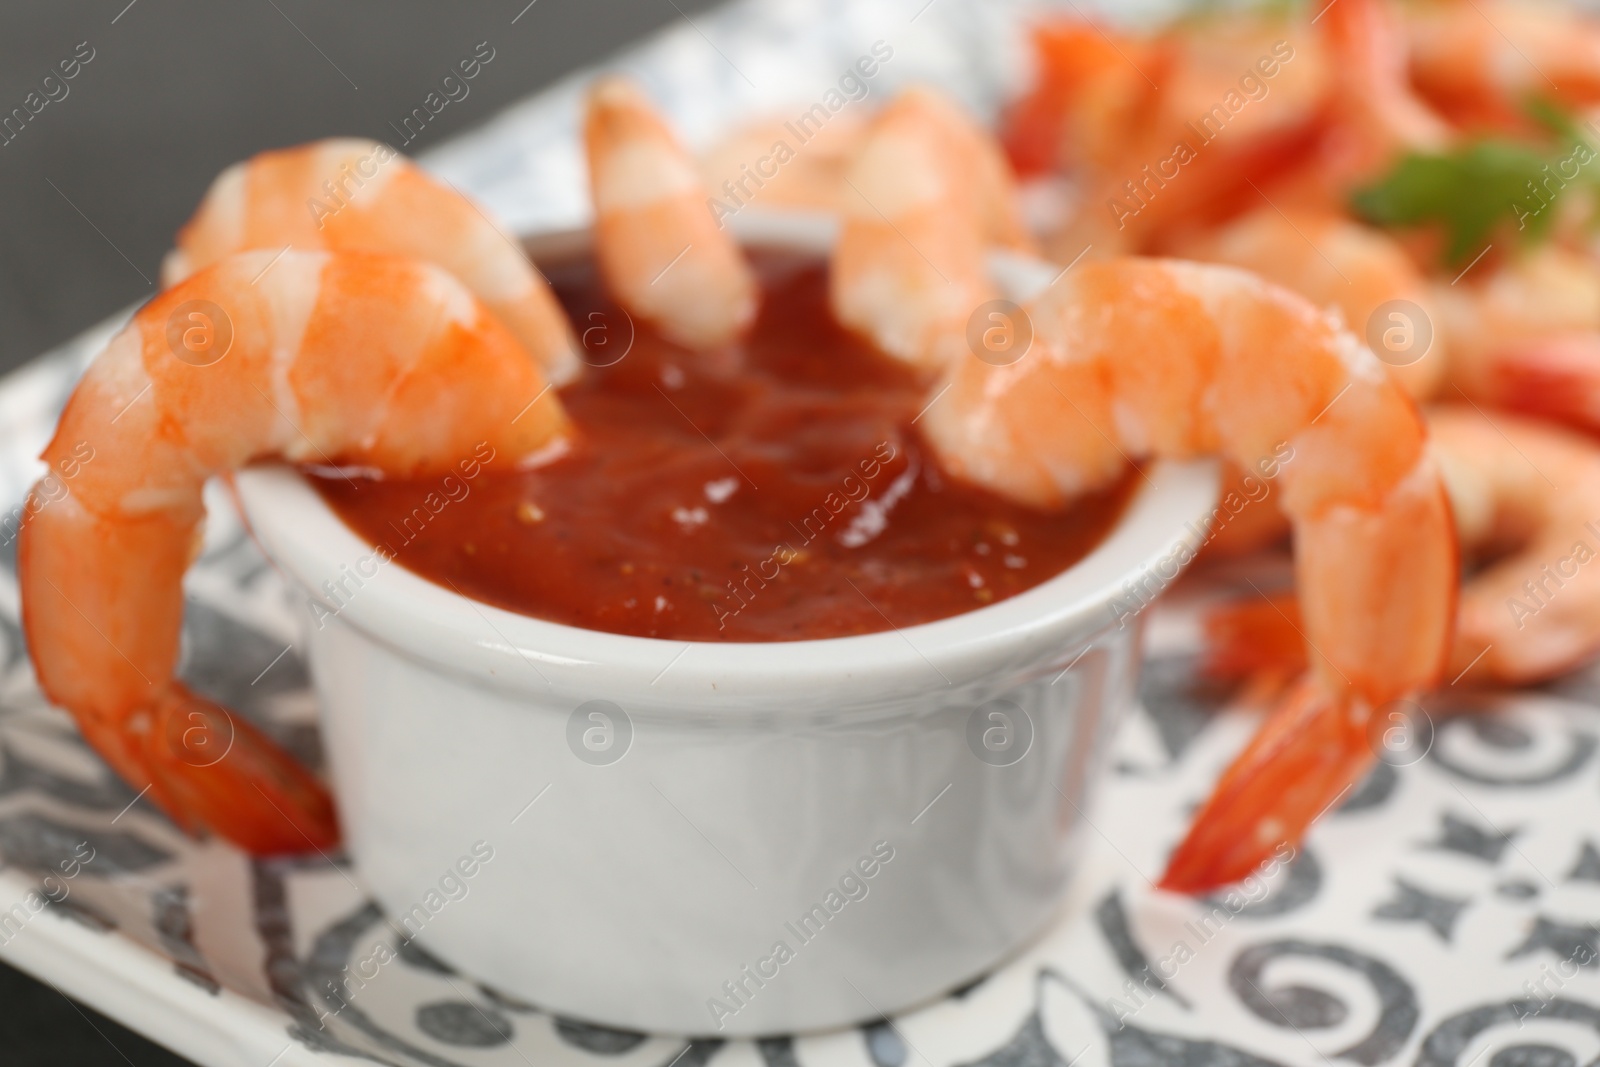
(811, 173)
(931, 193)
(1367, 115)
(1482, 61)
(1526, 498)
(1375, 110)
(362, 196)
(994, 184)
(1338, 264)
(1521, 331)
(1250, 110)
(1185, 127)
(1534, 489)
(1163, 358)
(326, 357)
(1525, 334)
(661, 251)
(766, 163)
(1087, 88)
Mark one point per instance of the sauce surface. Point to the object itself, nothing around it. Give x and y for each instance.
(778, 492)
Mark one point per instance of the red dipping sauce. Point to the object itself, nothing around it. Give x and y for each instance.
(778, 492)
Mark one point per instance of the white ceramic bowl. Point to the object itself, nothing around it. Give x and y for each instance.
(898, 811)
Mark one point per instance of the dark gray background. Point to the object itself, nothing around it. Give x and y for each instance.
(177, 90)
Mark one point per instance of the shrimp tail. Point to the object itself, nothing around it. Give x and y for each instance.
(1251, 636)
(210, 767)
(1311, 750)
(203, 766)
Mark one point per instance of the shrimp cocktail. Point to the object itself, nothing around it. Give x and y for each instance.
(739, 445)
(405, 330)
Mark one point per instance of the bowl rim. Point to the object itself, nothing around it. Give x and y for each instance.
(1165, 518)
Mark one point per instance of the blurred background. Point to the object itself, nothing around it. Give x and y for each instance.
(94, 185)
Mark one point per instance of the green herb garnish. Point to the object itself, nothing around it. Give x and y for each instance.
(1484, 184)
(1552, 116)
(1469, 191)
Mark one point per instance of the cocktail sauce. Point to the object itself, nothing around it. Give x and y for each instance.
(777, 491)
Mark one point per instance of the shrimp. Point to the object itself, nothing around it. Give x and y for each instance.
(1339, 264)
(931, 193)
(1139, 358)
(1526, 499)
(1480, 62)
(1087, 87)
(998, 208)
(766, 164)
(1526, 334)
(327, 357)
(1350, 269)
(1514, 483)
(662, 253)
(1367, 115)
(815, 177)
(1377, 114)
(1520, 332)
(1240, 102)
(1249, 110)
(361, 196)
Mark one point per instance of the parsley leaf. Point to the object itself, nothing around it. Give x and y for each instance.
(1469, 190)
(1553, 117)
